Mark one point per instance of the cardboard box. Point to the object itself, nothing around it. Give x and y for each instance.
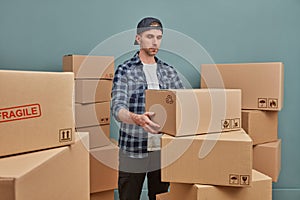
(262, 126)
(58, 173)
(164, 196)
(261, 83)
(267, 159)
(92, 91)
(36, 110)
(92, 114)
(216, 159)
(99, 136)
(184, 112)
(85, 67)
(105, 195)
(261, 189)
(104, 163)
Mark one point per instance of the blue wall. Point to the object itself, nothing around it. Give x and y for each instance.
(34, 34)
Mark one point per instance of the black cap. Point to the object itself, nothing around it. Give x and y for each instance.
(146, 24)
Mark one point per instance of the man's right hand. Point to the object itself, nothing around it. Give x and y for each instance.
(144, 120)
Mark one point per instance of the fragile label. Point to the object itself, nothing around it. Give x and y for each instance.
(235, 179)
(20, 112)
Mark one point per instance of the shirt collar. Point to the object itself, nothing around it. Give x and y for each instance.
(139, 62)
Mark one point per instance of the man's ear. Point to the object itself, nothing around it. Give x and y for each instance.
(138, 38)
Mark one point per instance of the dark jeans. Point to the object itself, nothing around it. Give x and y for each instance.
(132, 173)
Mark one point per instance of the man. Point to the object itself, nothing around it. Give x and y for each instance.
(139, 138)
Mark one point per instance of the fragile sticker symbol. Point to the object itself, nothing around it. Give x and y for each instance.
(65, 135)
(244, 179)
(262, 102)
(235, 123)
(273, 103)
(267, 103)
(234, 179)
(226, 124)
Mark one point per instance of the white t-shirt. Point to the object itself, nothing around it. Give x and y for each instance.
(153, 83)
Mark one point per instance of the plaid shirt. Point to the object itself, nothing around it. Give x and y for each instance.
(128, 92)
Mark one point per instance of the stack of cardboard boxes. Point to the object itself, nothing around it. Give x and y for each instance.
(41, 157)
(262, 86)
(93, 83)
(209, 150)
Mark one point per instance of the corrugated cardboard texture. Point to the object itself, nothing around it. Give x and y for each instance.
(58, 173)
(85, 67)
(195, 111)
(261, 126)
(92, 91)
(217, 159)
(104, 162)
(267, 159)
(261, 189)
(98, 135)
(36, 110)
(105, 195)
(261, 83)
(92, 114)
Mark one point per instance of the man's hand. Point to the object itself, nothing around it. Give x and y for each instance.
(144, 121)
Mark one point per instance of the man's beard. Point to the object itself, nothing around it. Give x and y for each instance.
(151, 51)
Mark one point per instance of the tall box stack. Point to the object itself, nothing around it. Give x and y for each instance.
(262, 86)
(93, 84)
(203, 142)
(38, 141)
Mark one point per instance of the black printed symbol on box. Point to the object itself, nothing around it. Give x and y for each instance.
(169, 99)
(234, 179)
(235, 123)
(244, 180)
(262, 103)
(65, 135)
(273, 103)
(226, 124)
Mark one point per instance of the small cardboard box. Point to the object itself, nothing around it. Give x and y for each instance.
(104, 163)
(182, 112)
(105, 195)
(92, 114)
(262, 126)
(216, 159)
(261, 189)
(57, 173)
(85, 67)
(267, 159)
(261, 83)
(99, 135)
(92, 91)
(36, 110)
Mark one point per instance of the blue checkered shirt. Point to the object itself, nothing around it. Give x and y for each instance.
(128, 92)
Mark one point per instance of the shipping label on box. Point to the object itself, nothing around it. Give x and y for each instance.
(92, 114)
(86, 67)
(215, 158)
(261, 126)
(34, 114)
(195, 111)
(92, 91)
(261, 83)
